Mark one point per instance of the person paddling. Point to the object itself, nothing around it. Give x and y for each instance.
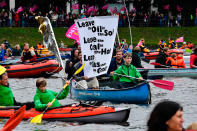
(43, 97)
(162, 57)
(126, 69)
(28, 54)
(193, 58)
(6, 95)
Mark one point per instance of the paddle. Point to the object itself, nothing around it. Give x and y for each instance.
(9, 107)
(158, 64)
(14, 120)
(167, 85)
(38, 119)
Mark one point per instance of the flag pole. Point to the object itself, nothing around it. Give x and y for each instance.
(129, 23)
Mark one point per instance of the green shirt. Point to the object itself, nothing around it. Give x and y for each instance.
(6, 96)
(128, 70)
(41, 99)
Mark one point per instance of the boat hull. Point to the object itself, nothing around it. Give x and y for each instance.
(75, 113)
(175, 72)
(153, 55)
(139, 94)
(34, 69)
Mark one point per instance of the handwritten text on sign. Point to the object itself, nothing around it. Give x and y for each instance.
(97, 35)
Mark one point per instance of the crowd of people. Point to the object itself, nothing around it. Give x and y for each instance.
(62, 19)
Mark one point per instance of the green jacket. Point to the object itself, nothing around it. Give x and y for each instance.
(6, 96)
(128, 71)
(41, 99)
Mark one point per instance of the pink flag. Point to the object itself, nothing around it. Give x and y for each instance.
(32, 9)
(72, 33)
(178, 8)
(123, 8)
(113, 11)
(139, 44)
(166, 7)
(95, 11)
(105, 7)
(20, 9)
(75, 7)
(91, 9)
(180, 39)
(3, 3)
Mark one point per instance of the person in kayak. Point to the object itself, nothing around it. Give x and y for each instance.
(162, 58)
(172, 61)
(136, 60)
(126, 69)
(2, 52)
(166, 116)
(141, 44)
(43, 97)
(6, 95)
(82, 80)
(193, 58)
(116, 62)
(71, 62)
(172, 44)
(28, 54)
(162, 45)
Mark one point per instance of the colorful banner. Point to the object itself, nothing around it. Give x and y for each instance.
(97, 36)
(180, 39)
(72, 33)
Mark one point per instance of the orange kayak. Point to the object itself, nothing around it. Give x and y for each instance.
(33, 69)
(78, 113)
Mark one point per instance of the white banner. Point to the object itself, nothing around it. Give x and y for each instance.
(97, 36)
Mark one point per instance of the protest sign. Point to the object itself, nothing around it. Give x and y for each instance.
(97, 36)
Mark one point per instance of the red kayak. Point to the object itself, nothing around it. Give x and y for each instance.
(33, 69)
(78, 113)
(14, 120)
(153, 55)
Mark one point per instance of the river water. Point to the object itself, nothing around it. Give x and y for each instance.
(184, 92)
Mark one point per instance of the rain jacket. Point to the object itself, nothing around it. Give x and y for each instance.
(6, 96)
(128, 70)
(41, 99)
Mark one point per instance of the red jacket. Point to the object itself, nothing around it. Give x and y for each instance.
(193, 60)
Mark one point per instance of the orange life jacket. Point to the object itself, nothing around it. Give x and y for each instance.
(180, 62)
(173, 62)
(40, 46)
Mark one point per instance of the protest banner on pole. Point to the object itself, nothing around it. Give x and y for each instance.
(97, 36)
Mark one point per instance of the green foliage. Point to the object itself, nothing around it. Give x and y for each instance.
(152, 35)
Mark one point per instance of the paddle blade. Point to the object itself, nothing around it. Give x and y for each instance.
(80, 69)
(167, 85)
(37, 119)
(14, 120)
